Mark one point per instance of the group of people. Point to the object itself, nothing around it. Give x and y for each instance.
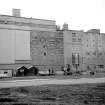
(67, 70)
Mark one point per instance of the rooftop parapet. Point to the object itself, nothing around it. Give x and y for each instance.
(94, 31)
(16, 17)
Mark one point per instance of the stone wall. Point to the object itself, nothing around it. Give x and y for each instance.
(47, 49)
(73, 46)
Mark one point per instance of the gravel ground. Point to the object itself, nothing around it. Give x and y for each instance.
(81, 94)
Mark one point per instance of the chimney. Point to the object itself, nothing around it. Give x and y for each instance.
(65, 26)
(16, 12)
(58, 27)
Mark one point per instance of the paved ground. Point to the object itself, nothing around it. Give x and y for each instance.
(36, 82)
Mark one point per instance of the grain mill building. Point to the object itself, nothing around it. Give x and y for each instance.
(37, 42)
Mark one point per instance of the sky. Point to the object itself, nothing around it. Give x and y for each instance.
(78, 14)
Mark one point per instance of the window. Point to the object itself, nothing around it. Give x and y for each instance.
(35, 37)
(5, 72)
(88, 68)
(44, 46)
(79, 39)
(51, 44)
(87, 53)
(75, 58)
(101, 66)
(100, 53)
(44, 53)
(2, 21)
(51, 41)
(74, 34)
(73, 37)
(94, 53)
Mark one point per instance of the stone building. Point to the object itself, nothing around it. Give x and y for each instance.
(47, 49)
(84, 50)
(28, 41)
(37, 42)
(93, 52)
(73, 50)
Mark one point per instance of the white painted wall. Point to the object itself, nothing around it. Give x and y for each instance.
(22, 45)
(14, 45)
(7, 46)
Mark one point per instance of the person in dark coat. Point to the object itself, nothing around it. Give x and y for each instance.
(68, 68)
(52, 72)
(49, 71)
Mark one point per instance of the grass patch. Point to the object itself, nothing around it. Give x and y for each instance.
(79, 94)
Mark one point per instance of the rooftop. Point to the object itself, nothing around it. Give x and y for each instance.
(17, 18)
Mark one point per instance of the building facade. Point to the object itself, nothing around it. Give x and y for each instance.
(28, 41)
(84, 50)
(41, 43)
(47, 49)
(73, 49)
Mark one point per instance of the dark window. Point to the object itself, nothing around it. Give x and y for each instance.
(74, 34)
(44, 53)
(101, 66)
(21, 70)
(87, 53)
(73, 37)
(88, 67)
(35, 37)
(44, 46)
(73, 59)
(100, 53)
(5, 72)
(79, 39)
(94, 53)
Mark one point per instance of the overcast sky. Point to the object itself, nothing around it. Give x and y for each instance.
(79, 14)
